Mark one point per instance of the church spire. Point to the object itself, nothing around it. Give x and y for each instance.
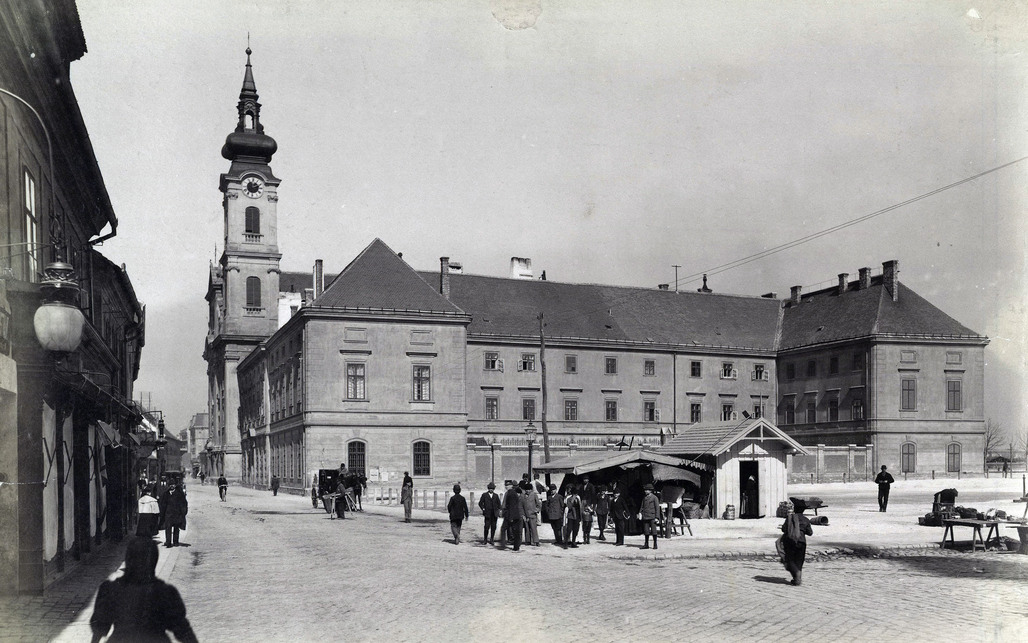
(248, 139)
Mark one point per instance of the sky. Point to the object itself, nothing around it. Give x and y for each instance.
(606, 141)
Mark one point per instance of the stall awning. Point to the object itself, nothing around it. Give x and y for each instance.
(588, 462)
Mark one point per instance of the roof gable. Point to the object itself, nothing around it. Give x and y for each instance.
(715, 439)
(379, 279)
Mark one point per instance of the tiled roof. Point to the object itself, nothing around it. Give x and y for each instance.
(699, 439)
(510, 307)
(379, 279)
(827, 316)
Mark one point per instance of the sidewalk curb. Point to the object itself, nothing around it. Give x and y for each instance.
(841, 552)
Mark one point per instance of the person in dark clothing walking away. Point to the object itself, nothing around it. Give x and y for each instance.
(797, 528)
(275, 482)
(138, 605)
(407, 498)
(176, 508)
(883, 480)
(555, 514)
(222, 487)
(457, 507)
(621, 511)
(649, 513)
(513, 516)
(572, 517)
(491, 507)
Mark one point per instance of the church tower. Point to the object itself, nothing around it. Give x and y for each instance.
(242, 294)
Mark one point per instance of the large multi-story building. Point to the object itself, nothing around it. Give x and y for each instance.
(386, 369)
(66, 420)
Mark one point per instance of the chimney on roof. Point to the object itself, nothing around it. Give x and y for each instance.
(843, 281)
(319, 278)
(444, 276)
(663, 286)
(520, 268)
(543, 278)
(865, 279)
(704, 288)
(890, 278)
(308, 296)
(794, 294)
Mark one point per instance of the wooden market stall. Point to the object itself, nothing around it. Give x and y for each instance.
(749, 463)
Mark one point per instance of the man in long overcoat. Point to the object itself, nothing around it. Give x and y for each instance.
(513, 515)
(491, 507)
(176, 508)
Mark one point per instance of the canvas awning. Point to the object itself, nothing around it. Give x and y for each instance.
(108, 434)
(668, 466)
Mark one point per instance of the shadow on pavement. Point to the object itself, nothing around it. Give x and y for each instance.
(774, 580)
(968, 566)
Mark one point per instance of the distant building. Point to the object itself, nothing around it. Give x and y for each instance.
(197, 435)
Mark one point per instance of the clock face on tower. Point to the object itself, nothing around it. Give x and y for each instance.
(253, 187)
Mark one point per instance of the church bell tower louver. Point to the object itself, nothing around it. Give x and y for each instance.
(243, 288)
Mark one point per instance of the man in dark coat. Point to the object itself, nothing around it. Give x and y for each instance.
(491, 507)
(222, 486)
(457, 508)
(572, 517)
(796, 528)
(513, 516)
(621, 511)
(275, 482)
(555, 514)
(883, 480)
(650, 513)
(176, 508)
(602, 509)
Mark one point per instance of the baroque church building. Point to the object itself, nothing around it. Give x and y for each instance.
(388, 370)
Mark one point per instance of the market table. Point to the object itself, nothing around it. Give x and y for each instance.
(976, 530)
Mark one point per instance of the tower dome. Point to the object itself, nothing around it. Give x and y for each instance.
(249, 140)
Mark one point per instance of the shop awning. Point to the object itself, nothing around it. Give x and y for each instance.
(108, 434)
(588, 462)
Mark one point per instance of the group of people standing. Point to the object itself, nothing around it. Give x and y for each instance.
(163, 506)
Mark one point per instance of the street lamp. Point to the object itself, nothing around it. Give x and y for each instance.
(492, 461)
(530, 437)
(58, 322)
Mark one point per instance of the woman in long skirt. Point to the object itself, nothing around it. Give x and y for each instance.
(797, 528)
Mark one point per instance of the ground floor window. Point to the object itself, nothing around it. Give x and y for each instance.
(356, 456)
(953, 458)
(908, 458)
(422, 464)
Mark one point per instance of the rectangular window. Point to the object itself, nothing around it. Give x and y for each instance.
(528, 409)
(811, 368)
(492, 361)
(758, 410)
(649, 411)
(610, 408)
(695, 369)
(857, 409)
(422, 383)
(858, 361)
(833, 410)
(422, 459)
(695, 412)
(32, 234)
(649, 368)
(571, 410)
(726, 411)
(759, 373)
(527, 362)
(571, 364)
(610, 366)
(908, 458)
(790, 412)
(355, 385)
(833, 365)
(492, 408)
(953, 400)
(908, 395)
(727, 371)
(790, 371)
(252, 225)
(811, 413)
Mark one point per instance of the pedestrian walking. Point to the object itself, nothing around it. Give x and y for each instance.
(572, 517)
(513, 516)
(796, 528)
(203, 476)
(175, 509)
(138, 605)
(491, 507)
(222, 487)
(407, 497)
(314, 491)
(1006, 469)
(621, 512)
(457, 507)
(649, 513)
(275, 482)
(884, 479)
(555, 514)
(339, 501)
(149, 514)
(602, 509)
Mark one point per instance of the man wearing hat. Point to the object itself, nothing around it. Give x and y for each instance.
(490, 505)
(513, 514)
(649, 513)
(532, 505)
(555, 514)
(883, 479)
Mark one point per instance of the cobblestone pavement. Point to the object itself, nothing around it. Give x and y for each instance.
(269, 568)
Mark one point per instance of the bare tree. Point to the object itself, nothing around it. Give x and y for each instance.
(992, 438)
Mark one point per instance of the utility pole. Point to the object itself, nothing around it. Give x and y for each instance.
(676, 267)
(542, 415)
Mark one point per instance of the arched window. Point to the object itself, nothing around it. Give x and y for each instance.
(908, 457)
(356, 452)
(422, 458)
(253, 220)
(248, 120)
(253, 292)
(953, 458)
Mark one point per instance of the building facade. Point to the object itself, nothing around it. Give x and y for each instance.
(67, 460)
